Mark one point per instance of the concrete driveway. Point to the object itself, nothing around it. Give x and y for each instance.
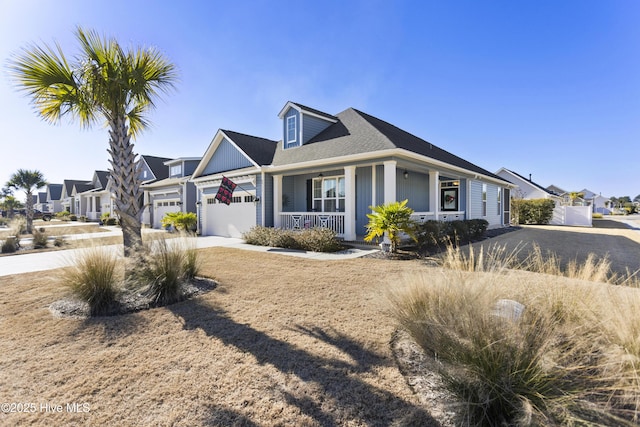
(615, 238)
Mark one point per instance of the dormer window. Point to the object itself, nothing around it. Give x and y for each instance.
(176, 170)
(291, 129)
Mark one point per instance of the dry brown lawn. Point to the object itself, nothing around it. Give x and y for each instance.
(281, 341)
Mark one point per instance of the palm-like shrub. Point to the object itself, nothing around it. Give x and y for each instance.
(95, 278)
(181, 221)
(39, 239)
(391, 219)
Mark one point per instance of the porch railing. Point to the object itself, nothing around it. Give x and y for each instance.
(302, 220)
(442, 216)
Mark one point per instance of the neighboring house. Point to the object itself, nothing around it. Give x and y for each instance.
(328, 170)
(54, 198)
(41, 202)
(526, 188)
(151, 169)
(554, 189)
(97, 198)
(172, 194)
(68, 196)
(598, 202)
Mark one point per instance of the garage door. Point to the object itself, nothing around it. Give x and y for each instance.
(161, 209)
(229, 221)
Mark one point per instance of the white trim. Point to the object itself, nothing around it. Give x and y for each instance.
(295, 131)
(376, 155)
(213, 146)
(300, 110)
(216, 180)
(390, 181)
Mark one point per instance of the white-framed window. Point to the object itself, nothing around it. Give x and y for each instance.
(291, 129)
(329, 194)
(175, 170)
(499, 201)
(484, 199)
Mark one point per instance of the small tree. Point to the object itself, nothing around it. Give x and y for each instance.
(390, 219)
(9, 204)
(28, 181)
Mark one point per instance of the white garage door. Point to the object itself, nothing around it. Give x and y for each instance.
(229, 221)
(161, 209)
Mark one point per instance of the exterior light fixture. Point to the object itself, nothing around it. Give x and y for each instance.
(406, 174)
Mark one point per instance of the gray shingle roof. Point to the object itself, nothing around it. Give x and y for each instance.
(103, 177)
(261, 150)
(357, 132)
(157, 166)
(314, 111)
(55, 191)
(69, 184)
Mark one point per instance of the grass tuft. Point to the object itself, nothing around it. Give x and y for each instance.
(571, 357)
(95, 278)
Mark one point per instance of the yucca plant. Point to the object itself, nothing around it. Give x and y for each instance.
(391, 219)
(95, 278)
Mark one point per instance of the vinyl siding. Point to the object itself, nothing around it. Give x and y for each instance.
(475, 198)
(415, 189)
(363, 199)
(190, 166)
(268, 201)
(311, 126)
(226, 158)
(292, 112)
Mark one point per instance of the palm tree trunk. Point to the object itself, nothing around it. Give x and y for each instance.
(127, 185)
(29, 207)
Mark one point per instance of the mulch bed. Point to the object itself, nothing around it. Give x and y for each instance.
(129, 301)
(411, 252)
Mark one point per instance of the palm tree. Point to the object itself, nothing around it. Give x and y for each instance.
(390, 220)
(104, 82)
(28, 181)
(10, 204)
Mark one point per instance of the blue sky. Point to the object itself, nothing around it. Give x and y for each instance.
(548, 88)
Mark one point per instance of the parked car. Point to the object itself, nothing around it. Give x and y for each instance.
(45, 216)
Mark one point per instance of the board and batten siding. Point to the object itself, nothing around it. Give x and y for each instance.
(292, 112)
(494, 215)
(415, 189)
(226, 158)
(363, 199)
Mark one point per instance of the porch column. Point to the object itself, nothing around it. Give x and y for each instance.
(277, 200)
(434, 193)
(350, 203)
(390, 181)
(374, 202)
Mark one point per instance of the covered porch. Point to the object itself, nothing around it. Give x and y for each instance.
(340, 198)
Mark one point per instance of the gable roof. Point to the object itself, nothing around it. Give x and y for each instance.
(42, 197)
(260, 150)
(308, 110)
(157, 166)
(55, 191)
(103, 178)
(69, 184)
(533, 184)
(357, 133)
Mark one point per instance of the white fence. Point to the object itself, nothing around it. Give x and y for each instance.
(572, 215)
(300, 220)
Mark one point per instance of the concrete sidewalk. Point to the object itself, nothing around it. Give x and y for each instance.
(42, 261)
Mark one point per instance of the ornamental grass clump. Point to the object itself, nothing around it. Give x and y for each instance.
(95, 277)
(164, 269)
(39, 238)
(565, 357)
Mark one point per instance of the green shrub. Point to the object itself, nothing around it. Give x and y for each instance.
(39, 239)
(83, 218)
(536, 211)
(73, 217)
(104, 217)
(111, 221)
(59, 241)
(63, 216)
(434, 233)
(312, 239)
(10, 245)
(318, 239)
(181, 221)
(94, 278)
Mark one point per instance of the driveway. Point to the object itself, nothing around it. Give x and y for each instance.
(615, 238)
